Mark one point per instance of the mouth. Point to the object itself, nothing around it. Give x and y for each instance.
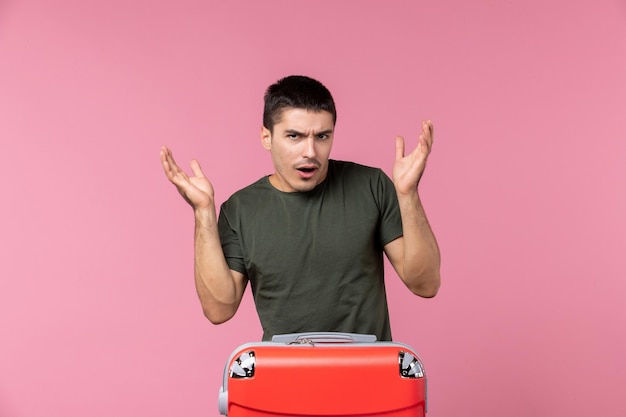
(307, 171)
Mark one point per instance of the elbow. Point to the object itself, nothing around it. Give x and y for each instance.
(428, 287)
(217, 317)
(430, 292)
(426, 292)
(215, 320)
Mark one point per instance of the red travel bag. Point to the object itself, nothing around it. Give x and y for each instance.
(323, 374)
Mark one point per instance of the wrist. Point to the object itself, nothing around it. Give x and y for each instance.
(205, 215)
(408, 194)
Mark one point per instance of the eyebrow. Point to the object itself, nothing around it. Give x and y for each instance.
(295, 132)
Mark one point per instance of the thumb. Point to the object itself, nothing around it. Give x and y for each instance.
(195, 168)
(399, 147)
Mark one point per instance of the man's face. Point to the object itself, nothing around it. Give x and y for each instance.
(300, 145)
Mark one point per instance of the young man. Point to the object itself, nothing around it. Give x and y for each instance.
(310, 237)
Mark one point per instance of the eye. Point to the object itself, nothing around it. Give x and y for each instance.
(323, 136)
(292, 135)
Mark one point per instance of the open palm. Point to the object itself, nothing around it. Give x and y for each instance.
(408, 169)
(196, 190)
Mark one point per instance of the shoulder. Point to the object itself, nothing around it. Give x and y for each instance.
(352, 172)
(248, 194)
(261, 184)
(353, 168)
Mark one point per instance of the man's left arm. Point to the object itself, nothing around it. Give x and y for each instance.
(415, 256)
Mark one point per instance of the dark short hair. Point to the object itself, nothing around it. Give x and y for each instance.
(296, 91)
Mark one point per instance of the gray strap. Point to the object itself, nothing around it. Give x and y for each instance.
(323, 337)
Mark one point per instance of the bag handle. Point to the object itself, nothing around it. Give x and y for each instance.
(323, 337)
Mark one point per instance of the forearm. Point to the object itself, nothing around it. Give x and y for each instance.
(421, 259)
(218, 292)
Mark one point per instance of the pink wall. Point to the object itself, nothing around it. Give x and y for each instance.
(525, 190)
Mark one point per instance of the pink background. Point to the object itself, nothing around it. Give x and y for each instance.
(525, 190)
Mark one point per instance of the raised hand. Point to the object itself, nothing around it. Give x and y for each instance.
(196, 190)
(407, 170)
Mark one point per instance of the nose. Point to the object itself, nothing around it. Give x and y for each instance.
(309, 148)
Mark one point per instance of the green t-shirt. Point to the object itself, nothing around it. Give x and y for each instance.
(315, 259)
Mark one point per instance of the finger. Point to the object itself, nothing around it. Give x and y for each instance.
(163, 153)
(426, 136)
(165, 162)
(425, 129)
(399, 147)
(170, 170)
(429, 132)
(166, 155)
(173, 172)
(423, 146)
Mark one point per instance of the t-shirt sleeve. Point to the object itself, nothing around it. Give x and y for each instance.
(229, 239)
(391, 221)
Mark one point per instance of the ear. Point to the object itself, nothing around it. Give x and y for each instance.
(266, 138)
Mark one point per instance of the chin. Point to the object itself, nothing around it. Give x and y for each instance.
(303, 187)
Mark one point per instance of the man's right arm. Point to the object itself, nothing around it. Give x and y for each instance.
(219, 288)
